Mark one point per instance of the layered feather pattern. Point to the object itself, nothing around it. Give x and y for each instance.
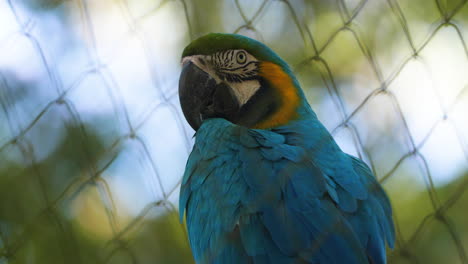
(284, 195)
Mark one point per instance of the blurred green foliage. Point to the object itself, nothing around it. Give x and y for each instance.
(38, 226)
(434, 243)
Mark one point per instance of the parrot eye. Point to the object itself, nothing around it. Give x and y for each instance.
(241, 57)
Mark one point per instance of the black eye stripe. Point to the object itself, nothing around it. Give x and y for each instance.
(227, 58)
(239, 74)
(244, 67)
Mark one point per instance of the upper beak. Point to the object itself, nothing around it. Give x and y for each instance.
(201, 97)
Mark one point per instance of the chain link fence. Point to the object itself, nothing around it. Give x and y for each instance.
(93, 143)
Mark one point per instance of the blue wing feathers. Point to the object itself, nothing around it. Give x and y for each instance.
(260, 196)
(254, 235)
(379, 200)
(347, 202)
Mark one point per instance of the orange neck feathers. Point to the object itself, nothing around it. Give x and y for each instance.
(283, 84)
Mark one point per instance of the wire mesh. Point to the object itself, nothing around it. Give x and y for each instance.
(53, 208)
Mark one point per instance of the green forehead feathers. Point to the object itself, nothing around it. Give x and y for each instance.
(216, 42)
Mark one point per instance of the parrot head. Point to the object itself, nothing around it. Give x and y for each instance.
(239, 79)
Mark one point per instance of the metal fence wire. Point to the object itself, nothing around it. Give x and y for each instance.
(71, 160)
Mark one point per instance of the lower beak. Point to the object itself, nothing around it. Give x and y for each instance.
(201, 97)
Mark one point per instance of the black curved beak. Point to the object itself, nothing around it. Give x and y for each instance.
(201, 97)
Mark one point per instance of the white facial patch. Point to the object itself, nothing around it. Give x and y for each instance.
(228, 68)
(245, 90)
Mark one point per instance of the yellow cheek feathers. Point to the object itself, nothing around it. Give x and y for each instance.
(284, 86)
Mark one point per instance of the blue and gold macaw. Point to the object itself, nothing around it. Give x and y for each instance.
(266, 182)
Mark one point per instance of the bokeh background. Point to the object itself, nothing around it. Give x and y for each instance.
(93, 143)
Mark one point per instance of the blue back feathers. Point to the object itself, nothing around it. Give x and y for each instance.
(285, 195)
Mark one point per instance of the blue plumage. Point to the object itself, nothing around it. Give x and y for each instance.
(281, 196)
